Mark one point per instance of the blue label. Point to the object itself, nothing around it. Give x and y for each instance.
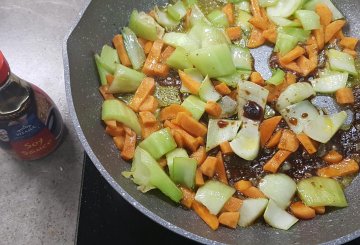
(25, 128)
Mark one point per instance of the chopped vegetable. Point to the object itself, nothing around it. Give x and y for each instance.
(179, 59)
(242, 185)
(284, 8)
(126, 80)
(301, 211)
(341, 61)
(210, 219)
(275, 162)
(333, 28)
(253, 192)
(145, 26)
(251, 210)
(133, 48)
(178, 152)
(218, 18)
(277, 78)
(146, 87)
(309, 144)
(343, 168)
(288, 141)
(229, 219)
(159, 143)
(195, 106)
(310, 20)
(208, 167)
(184, 170)
(207, 91)
(267, 128)
(277, 217)
(331, 83)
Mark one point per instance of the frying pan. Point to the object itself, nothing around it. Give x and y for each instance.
(96, 26)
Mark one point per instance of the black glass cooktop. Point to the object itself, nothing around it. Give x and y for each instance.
(106, 218)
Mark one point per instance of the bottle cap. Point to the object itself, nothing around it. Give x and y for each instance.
(4, 69)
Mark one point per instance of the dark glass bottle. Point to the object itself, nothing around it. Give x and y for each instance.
(31, 126)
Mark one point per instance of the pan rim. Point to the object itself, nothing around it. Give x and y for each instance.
(80, 134)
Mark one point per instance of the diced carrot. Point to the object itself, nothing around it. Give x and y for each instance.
(111, 123)
(325, 13)
(259, 23)
(242, 185)
(189, 83)
(189, 141)
(199, 155)
(150, 104)
(233, 95)
(345, 96)
(234, 33)
(333, 28)
(301, 211)
(319, 209)
(210, 219)
(220, 171)
(292, 66)
(162, 162)
(256, 38)
(161, 70)
(312, 51)
(267, 128)
(226, 148)
(147, 118)
(170, 112)
(118, 42)
(166, 53)
(119, 142)
(255, 8)
(200, 140)
(142, 42)
(178, 138)
(320, 37)
(253, 192)
(146, 88)
(311, 40)
(288, 141)
(199, 178)
(229, 219)
(209, 166)
(333, 157)
(153, 58)
(188, 197)
(223, 89)
(343, 168)
(293, 55)
(148, 46)
(351, 52)
(118, 131)
(274, 140)
(270, 34)
(232, 205)
(104, 93)
(305, 65)
(275, 162)
(109, 79)
(213, 109)
(147, 130)
(290, 79)
(256, 77)
(128, 150)
(190, 125)
(309, 144)
(228, 9)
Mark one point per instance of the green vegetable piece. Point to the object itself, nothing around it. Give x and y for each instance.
(277, 78)
(126, 80)
(295, 93)
(194, 74)
(119, 111)
(242, 20)
(101, 70)
(341, 61)
(164, 19)
(218, 18)
(190, 3)
(214, 195)
(285, 43)
(241, 57)
(309, 19)
(197, 16)
(251, 210)
(217, 135)
(194, 105)
(278, 217)
(147, 173)
(268, 3)
(159, 143)
(109, 58)
(184, 170)
(310, 5)
(284, 8)
(299, 33)
(321, 191)
(207, 91)
(178, 152)
(133, 48)
(214, 61)
(143, 25)
(234, 79)
(243, 6)
(177, 11)
(179, 59)
(330, 84)
(182, 40)
(280, 21)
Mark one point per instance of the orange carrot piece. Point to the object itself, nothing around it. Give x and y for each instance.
(345, 96)
(170, 112)
(178, 138)
(213, 109)
(333, 28)
(190, 125)
(343, 168)
(325, 13)
(119, 142)
(189, 83)
(147, 118)
(301, 211)
(199, 178)
(146, 88)
(256, 77)
(259, 23)
(293, 55)
(220, 171)
(189, 141)
(309, 144)
(228, 9)
(267, 128)
(270, 34)
(128, 150)
(320, 37)
(118, 131)
(226, 148)
(290, 79)
(242, 185)
(333, 157)
(152, 14)
(256, 38)
(253, 192)
(147, 130)
(148, 46)
(319, 209)
(199, 155)
(105, 94)
(161, 70)
(351, 52)
(166, 53)
(229, 219)
(255, 8)
(288, 141)
(274, 163)
(274, 140)
(311, 40)
(209, 166)
(111, 123)
(153, 58)
(305, 65)
(109, 79)
(150, 104)
(142, 42)
(223, 89)
(210, 219)
(188, 197)
(118, 42)
(312, 51)
(162, 162)
(234, 33)
(232, 205)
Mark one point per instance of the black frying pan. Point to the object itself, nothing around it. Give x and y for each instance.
(98, 24)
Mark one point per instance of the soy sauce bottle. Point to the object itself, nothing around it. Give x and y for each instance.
(31, 126)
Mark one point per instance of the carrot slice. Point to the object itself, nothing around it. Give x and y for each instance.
(228, 9)
(259, 23)
(142, 42)
(267, 128)
(255, 8)
(118, 42)
(270, 34)
(234, 33)
(229, 219)
(148, 46)
(226, 148)
(325, 13)
(312, 51)
(345, 96)
(213, 109)
(223, 89)
(274, 163)
(178, 138)
(210, 219)
(104, 93)
(232, 205)
(117, 131)
(302, 211)
(190, 125)
(109, 78)
(305, 65)
(333, 28)
(199, 178)
(111, 123)
(256, 38)
(309, 144)
(319, 209)
(146, 131)
(242, 185)
(209, 166)
(150, 104)
(343, 168)
(128, 150)
(293, 55)
(189, 83)
(256, 77)
(188, 197)
(320, 37)
(333, 157)
(119, 142)
(351, 52)
(170, 112)
(274, 140)
(146, 88)
(288, 141)
(199, 155)
(166, 53)
(189, 141)
(153, 58)
(292, 66)
(253, 192)
(220, 171)
(147, 118)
